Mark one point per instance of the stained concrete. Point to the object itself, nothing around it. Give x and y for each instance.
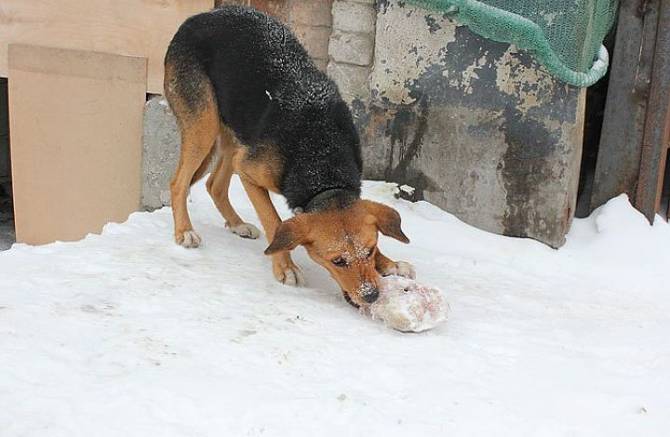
(160, 153)
(477, 127)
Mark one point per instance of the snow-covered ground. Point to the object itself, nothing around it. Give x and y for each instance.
(126, 334)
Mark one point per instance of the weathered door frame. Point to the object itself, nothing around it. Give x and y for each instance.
(636, 128)
(657, 123)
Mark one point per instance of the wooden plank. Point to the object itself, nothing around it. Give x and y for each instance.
(76, 140)
(618, 163)
(655, 140)
(141, 28)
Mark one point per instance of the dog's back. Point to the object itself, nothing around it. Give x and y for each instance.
(253, 62)
(268, 91)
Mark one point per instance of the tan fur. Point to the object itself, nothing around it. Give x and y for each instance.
(263, 171)
(349, 233)
(198, 134)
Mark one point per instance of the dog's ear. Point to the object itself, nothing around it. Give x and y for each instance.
(387, 220)
(290, 234)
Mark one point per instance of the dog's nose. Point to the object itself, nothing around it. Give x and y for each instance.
(370, 295)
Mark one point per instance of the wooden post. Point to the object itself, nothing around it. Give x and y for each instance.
(619, 153)
(657, 123)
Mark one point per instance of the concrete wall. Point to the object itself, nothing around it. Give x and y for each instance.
(160, 153)
(351, 48)
(477, 127)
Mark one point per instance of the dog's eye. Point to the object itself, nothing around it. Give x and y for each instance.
(340, 262)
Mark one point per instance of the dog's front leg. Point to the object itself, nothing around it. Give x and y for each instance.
(283, 266)
(386, 266)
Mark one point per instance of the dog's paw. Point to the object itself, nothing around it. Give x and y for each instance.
(245, 230)
(401, 268)
(288, 273)
(292, 276)
(189, 239)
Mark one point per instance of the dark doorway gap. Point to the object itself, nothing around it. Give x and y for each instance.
(596, 96)
(7, 230)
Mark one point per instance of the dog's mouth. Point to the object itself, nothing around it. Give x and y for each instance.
(348, 298)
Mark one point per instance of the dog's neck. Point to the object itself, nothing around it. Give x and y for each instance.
(331, 198)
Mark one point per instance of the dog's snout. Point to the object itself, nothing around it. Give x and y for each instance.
(370, 295)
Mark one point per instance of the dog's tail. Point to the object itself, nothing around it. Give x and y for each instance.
(186, 83)
(189, 91)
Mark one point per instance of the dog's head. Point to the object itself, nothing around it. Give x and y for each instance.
(344, 242)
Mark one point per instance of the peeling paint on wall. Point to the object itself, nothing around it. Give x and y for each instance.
(522, 80)
(416, 37)
(476, 126)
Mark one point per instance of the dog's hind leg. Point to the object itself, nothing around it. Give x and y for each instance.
(197, 114)
(219, 183)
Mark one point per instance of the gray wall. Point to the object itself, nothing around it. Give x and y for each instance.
(160, 153)
(477, 127)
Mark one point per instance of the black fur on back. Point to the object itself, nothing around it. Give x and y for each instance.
(271, 94)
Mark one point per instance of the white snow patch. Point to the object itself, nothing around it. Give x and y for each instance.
(128, 334)
(407, 189)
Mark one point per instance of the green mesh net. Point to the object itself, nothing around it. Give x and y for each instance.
(564, 35)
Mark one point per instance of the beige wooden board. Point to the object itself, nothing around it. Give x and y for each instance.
(75, 140)
(141, 28)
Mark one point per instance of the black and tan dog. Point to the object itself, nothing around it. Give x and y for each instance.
(240, 80)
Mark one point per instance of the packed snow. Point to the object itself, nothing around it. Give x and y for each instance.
(127, 334)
